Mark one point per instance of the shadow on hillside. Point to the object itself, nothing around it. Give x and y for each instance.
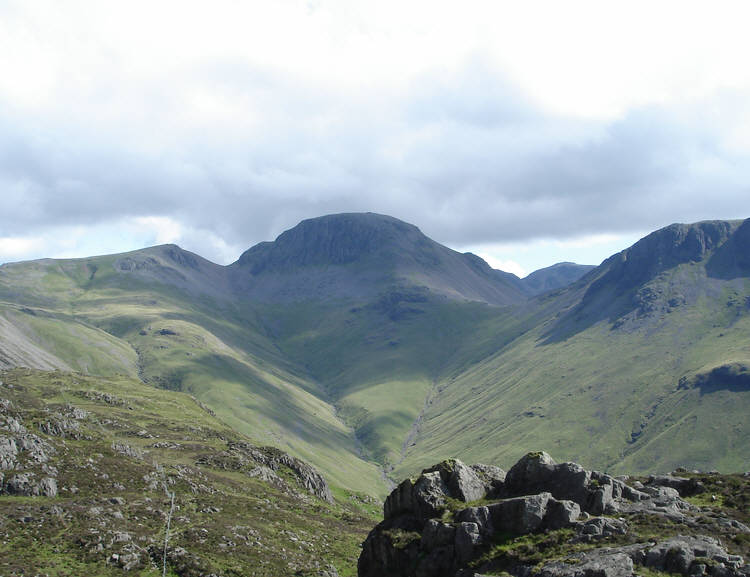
(376, 424)
(278, 402)
(732, 259)
(593, 308)
(734, 377)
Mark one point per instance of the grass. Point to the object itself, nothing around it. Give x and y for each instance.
(383, 427)
(226, 521)
(583, 398)
(531, 549)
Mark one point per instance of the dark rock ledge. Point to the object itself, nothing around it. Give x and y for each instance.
(451, 519)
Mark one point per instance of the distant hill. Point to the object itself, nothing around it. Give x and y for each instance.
(554, 277)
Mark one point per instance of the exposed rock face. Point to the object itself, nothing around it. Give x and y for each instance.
(21, 451)
(691, 556)
(685, 487)
(424, 533)
(731, 260)
(8, 453)
(663, 249)
(426, 495)
(492, 477)
(308, 477)
(599, 563)
(595, 492)
(462, 481)
(26, 484)
(264, 462)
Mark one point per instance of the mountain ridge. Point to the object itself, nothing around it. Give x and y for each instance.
(428, 356)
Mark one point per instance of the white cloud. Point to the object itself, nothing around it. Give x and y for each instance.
(544, 252)
(505, 265)
(15, 247)
(164, 229)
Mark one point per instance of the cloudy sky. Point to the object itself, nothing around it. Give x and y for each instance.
(527, 132)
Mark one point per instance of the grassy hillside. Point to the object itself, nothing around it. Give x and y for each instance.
(640, 392)
(138, 324)
(117, 449)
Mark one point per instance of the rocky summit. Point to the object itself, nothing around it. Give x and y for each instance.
(548, 519)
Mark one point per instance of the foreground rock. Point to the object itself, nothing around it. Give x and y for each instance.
(432, 528)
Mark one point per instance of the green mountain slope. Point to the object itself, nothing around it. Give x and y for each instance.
(644, 368)
(150, 314)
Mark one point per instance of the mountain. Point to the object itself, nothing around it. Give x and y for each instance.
(153, 315)
(639, 364)
(622, 281)
(357, 256)
(281, 357)
(358, 344)
(554, 277)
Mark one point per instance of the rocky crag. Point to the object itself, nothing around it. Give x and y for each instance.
(544, 519)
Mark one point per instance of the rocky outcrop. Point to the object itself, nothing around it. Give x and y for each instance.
(264, 463)
(690, 556)
(595, 492)
(414, 538)
(274, 459)
(597, 563)
(685, 487)
(426, 496)
(25, 484)
(24, 458)
(432, 528)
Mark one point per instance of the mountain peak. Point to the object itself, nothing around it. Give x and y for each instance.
(623, 284)
(664, 249)
(335, 239)
(363, 254)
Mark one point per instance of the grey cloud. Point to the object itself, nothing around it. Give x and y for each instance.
(463, 156)
(639, 173)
